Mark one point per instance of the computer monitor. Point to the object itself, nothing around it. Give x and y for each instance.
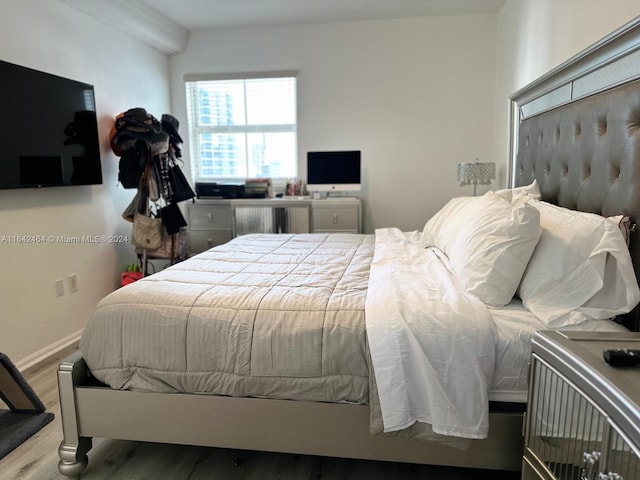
(334, 171)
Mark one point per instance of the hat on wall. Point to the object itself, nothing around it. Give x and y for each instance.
(137, 123)
(170, 124)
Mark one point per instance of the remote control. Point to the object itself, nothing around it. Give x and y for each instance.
(622, 357)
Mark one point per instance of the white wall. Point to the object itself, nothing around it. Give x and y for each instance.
(535, 36)
(413, 95)
(50, 36)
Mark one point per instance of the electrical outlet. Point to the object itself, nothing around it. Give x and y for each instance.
(73, 282)
(59, 287)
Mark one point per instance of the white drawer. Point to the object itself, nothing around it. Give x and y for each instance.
(209, 217)
(199, 241)
(336, 219)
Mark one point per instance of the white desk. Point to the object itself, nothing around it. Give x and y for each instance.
(213, 221)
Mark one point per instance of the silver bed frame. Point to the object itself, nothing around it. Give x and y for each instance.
(327, 429)
(90, 410)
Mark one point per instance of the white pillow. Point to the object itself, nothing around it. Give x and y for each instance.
(515, 195)
(488, 242)
(580, 267)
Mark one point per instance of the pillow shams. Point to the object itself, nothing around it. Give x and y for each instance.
(580, 267)
(488, 241)
(520, 194)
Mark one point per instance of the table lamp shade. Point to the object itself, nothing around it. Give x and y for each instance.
(476, 173)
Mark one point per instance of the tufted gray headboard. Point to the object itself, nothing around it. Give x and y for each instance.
(586, 155)
(577, 132)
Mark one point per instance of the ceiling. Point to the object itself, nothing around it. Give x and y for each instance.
(165, 24)
(207, 14)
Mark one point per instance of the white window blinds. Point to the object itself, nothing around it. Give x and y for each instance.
(242, 126)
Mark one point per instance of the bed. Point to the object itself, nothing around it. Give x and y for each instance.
(310, 370)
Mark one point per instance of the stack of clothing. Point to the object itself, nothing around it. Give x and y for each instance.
(149, 151)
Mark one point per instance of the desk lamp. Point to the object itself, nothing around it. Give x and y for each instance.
(476, 173)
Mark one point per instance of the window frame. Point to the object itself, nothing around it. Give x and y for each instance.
(194, 131)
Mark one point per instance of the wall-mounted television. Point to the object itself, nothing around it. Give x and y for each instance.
(336, 171)
(48, 130)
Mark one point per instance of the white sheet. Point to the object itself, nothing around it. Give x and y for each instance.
(515, 327)
(432, 345)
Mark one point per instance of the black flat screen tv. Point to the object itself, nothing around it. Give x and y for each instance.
(48, 130)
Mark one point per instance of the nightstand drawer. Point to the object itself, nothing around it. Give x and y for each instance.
(336, 219)
(209, 217)
(199, 241)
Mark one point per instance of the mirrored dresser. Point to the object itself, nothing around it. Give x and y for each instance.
(583, 417)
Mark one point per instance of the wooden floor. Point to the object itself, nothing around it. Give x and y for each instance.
(37, 458)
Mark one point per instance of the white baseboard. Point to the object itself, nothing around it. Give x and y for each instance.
(48, 351)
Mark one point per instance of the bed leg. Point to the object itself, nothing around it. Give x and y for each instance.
(73, 450)
(73, 458)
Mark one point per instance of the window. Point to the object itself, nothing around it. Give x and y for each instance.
(242, 127)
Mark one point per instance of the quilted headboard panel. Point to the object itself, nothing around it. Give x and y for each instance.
(586, 155)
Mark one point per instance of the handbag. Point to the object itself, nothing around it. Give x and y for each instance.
(180, 188)
(146, 232)
(172, 218)
(173, 248)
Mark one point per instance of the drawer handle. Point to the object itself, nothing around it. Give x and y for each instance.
(209, 242)
(609, 476)
(210, 216)
(590, 465)
(336, 219)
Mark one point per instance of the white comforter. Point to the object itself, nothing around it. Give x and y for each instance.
(432, 345)
(279, 316)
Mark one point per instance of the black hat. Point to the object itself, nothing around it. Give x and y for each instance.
(138, 120)
(123, 137)
(170, 124)
(137, 123)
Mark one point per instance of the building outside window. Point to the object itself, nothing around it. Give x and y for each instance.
(242, 126)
